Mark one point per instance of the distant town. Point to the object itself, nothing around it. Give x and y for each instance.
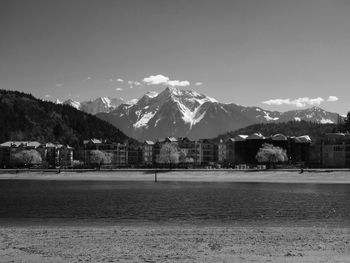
(240, 152)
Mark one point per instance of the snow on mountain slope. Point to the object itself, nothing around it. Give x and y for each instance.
(72, 103)
(132, 101)
(101, 104)
(314, 114)
(143, 121)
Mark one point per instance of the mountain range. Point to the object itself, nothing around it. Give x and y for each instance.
(176, 112)
(101, 104)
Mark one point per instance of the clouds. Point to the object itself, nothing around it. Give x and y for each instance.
(178, 83)
(299, 102)
(135, 83)
(127, 85)
(332, 98)
(163, 80)
(156, 80)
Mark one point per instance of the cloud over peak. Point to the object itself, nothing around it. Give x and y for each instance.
(163, 80)
(299, 102)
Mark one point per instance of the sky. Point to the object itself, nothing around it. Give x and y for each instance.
(275, 54)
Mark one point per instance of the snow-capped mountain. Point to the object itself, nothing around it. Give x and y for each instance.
(57, 101)
(176, 112)
(314, 114)
(70, 102)
(101, 104)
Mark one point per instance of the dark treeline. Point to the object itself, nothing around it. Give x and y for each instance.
(293, 128)
(23, 117)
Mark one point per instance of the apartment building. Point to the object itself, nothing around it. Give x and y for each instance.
(335, 150)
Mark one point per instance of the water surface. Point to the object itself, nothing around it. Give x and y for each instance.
(184, 202)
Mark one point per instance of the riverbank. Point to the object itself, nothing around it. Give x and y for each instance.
(173, 243)
(283, 176)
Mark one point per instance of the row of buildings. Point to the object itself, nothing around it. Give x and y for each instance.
(51, 154)
(332, 151)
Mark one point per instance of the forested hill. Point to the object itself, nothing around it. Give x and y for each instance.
(24, 117)
(292, 128)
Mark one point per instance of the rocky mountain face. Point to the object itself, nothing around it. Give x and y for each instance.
(176, 112)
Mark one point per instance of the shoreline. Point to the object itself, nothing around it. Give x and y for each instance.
(242, 176)
(102, 223)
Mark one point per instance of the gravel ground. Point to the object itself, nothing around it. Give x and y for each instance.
(173, 243)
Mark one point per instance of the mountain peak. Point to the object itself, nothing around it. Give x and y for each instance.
(151, 94)
(171, 91)
(316, 108)
(186, 94)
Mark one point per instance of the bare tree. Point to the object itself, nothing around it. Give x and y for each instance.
(270, 154)
(182, 156)
(169, 154)
(27, 158)
(98, 158)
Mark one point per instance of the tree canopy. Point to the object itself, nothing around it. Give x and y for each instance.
(27, 157)
(98, 157)
(169, 154)
(271, 154)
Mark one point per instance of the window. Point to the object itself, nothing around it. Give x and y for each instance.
(338, 148)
